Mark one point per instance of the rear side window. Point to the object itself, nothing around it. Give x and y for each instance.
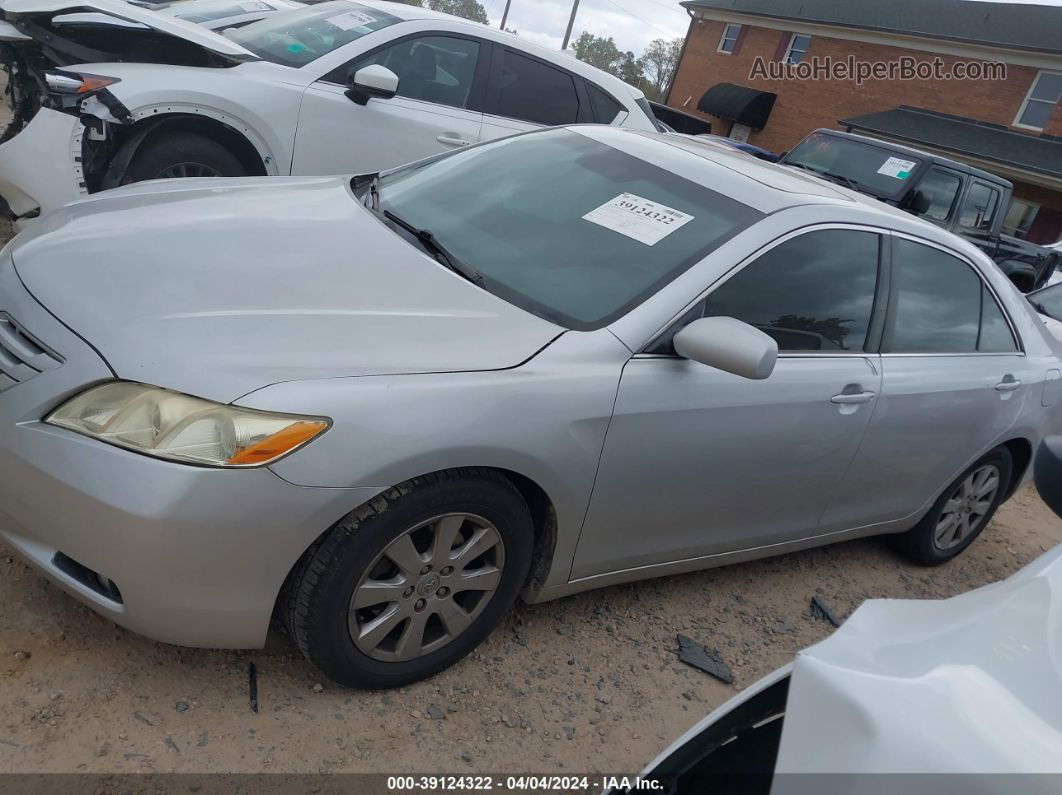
(942, 306)
(605, 108)
(979, 207)
(533, 91)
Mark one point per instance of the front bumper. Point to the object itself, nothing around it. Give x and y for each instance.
(198, 554)
(40, 167)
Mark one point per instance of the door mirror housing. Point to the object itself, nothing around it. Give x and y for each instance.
(372, 81)
(730, 345)
(918, 202)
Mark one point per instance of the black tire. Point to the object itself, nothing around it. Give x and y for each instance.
(323, 584)
(167, 155)
(920, 544)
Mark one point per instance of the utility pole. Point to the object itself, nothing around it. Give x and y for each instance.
(505, 13)
(571, 21)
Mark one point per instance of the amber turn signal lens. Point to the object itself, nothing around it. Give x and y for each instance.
(279, 443)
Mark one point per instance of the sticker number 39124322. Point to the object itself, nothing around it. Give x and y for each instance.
(643, 220)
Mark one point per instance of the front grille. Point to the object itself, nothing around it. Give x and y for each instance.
(21, 356)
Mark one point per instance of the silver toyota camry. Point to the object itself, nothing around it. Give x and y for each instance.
(384, 408)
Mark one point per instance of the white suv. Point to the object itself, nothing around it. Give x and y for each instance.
(338, 87)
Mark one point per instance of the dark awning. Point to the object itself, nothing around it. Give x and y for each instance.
(963, 136)
(738, 103)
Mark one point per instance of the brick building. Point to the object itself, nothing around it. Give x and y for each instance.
(1009, 125)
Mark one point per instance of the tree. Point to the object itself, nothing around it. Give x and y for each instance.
(659, 63)
(467, 9)
(604, 54)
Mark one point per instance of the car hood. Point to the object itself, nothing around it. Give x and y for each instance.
(95, 13)
(218, 287)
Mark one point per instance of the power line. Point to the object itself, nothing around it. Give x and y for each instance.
(644, 22)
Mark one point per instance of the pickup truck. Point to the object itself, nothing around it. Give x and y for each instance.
(964, 200)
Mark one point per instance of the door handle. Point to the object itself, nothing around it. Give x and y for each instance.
(852, 399)
(452, 140)
(1008, 384)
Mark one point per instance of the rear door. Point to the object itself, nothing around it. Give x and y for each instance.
(526, 93)
(954, 380)
(442, 77)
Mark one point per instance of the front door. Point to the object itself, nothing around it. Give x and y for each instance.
(435, 109)
(697, 461)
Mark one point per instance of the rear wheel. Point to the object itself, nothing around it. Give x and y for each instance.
(409, 584)
(182, 154)
(961, 512)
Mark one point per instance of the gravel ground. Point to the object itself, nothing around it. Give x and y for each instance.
(584, 684)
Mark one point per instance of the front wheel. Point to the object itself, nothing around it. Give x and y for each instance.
(960, 513)
(410, 583)
(182, 154)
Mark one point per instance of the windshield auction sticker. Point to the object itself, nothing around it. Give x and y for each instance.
(638, 218)
(350, 20)
(895, 167)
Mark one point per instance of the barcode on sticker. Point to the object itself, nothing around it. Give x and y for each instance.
(638, 218)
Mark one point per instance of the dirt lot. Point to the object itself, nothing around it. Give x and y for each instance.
(585, 684)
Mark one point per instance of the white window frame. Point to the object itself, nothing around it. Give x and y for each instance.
(789, 47)
(724, 39)
(1028, 98)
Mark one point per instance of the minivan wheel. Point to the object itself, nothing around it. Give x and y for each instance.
(182, 154)
(408, 584)
(960, 513)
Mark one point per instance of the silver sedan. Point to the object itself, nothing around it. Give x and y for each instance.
(384, 408)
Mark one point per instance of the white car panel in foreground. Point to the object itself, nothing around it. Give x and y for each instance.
(969, 687)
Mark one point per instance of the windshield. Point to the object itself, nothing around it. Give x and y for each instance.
(296, 38)
(874, 169)
(209, 12)
(1049, 301)
(562, 225)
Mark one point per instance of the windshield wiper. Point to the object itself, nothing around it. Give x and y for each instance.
(427, 239)
(847, 181)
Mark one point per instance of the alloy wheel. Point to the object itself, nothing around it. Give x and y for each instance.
(967, 507)
(179, 170)
(426, 587)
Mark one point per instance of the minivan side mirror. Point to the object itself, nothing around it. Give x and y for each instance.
(918, 202)
(728, 344)
(372, 81)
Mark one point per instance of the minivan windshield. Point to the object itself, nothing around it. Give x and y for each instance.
(856, 164)
(562, 225)
(295, 38)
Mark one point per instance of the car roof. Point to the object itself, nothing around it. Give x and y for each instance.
(563, 58)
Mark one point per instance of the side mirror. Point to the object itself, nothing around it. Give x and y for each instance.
(372, 81)
(729, 345)
(918, 202)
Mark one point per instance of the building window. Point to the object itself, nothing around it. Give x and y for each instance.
(1020, 217)
(1043, 95)
(729, 40)
(797, 49)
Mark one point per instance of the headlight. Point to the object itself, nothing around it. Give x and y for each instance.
(183, 428)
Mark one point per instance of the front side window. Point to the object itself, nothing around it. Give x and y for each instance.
(1044, 94)
(728, 41)
(798, 48)
(533, 91)
(940, 188)
(587, 233)
(942, 306)
(855, 163)
(812, 293)
(296, 38)
(438, 69)
(979, 207)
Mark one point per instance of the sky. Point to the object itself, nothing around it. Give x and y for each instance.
(632, 23)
